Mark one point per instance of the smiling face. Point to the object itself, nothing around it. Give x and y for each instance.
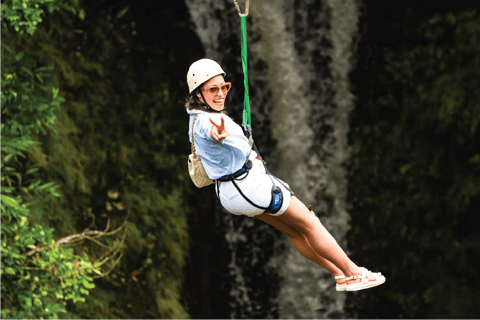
(215, 91)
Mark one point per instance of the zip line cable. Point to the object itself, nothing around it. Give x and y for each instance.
(246, 115)
(246, 118)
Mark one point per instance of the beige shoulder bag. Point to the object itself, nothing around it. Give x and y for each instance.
(195, 166)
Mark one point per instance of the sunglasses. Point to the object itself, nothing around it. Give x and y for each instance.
(225, 88)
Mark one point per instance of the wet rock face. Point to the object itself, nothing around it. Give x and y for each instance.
(300, 54)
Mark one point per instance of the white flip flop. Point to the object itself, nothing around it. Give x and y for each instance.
(365, 282)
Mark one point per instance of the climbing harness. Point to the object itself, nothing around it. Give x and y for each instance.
(277, 195)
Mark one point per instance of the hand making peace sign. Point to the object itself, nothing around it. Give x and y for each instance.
(218, 132)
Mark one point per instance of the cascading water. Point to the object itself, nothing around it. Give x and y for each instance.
(300, 56)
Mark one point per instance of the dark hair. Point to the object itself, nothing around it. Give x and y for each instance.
(192, 99)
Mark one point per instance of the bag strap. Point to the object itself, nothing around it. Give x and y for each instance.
(193, 141)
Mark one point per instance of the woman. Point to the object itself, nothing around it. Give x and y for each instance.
(245, 187)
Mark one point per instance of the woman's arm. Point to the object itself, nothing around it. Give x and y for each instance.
(218, 132)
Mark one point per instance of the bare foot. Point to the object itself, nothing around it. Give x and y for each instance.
(359, 273)
(341, 281)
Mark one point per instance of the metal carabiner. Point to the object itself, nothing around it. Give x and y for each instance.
(238, 8)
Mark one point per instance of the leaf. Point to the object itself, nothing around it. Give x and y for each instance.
(86, 292)
(9, 201)
(7, 190)
(39, 77)
(475, 159)
(122, 12)
(405, 168)
(19, 56)
(35, 184)
(87, 284)
(9, 270)
(4, 46)
(47, 185)
(43, 69)
(55, 92)
(27, 71)
(81, 14)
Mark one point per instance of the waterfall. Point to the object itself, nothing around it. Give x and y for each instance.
(308, 48)
(300, 54)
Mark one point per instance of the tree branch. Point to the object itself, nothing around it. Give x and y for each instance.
(86, 234)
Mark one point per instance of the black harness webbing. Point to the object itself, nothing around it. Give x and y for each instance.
(277, 195)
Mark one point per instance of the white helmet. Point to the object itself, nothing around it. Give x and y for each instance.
(201, 71)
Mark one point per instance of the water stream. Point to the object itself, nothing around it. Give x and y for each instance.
(300, 56)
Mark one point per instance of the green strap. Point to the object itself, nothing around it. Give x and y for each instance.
(247, 119)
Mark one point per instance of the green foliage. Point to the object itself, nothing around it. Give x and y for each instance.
(415, 172)
(113, 153)
(27, 108)
(36, 284)
(37, 276)
(23, 16)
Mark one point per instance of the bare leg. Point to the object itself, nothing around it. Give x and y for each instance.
(302, 245)
(321, 241)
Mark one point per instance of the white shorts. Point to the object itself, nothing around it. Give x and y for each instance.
(257, 187)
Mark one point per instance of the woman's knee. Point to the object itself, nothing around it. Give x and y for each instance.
(288, 230)
(277, 223)
(299, 217)
(293, 234)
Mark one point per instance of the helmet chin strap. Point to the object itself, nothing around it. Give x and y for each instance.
(207, 106)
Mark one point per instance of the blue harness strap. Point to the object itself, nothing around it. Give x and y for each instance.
(246, 167)
(275, 203)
